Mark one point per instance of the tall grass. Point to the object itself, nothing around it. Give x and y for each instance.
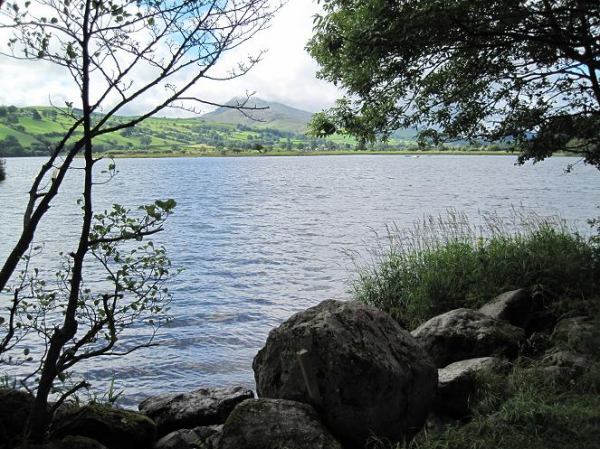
(446, 262)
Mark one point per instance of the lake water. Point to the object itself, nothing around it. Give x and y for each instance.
(261, 238)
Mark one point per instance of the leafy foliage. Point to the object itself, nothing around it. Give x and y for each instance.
(104, 46)
(524, 72)
(432, 274)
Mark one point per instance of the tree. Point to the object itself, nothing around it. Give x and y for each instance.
(10, 146)
(525, 72)
(145, 140)
(35, 114)
(104, 46)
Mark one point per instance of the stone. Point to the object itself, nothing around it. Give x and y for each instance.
(463, 334)
(274, 424)
(570, 329)
(565, 365)
(15, 406)
(542, 317)
(366, 375)
(113, 427)
(206, 437)
(457, 385)
(68, 442)
(79, 442)
(202, 407)
(515, 307)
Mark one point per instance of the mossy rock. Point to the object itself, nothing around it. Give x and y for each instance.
(15, 406)
(80, 442)
(114, 428)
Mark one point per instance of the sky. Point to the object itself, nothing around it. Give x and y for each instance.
(286, 74)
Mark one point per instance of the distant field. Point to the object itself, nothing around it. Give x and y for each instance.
(34, 130)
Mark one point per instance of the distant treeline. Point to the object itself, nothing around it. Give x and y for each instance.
(33, 131)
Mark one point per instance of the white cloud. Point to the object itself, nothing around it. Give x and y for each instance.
(286, 74)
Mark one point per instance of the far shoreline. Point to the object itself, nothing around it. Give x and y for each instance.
(230, 153)
(233, 154)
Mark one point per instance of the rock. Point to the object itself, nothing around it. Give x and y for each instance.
(205, 437)
(463, 334)
(515, 307)
(568, 330)
(202, 407)
(68, 442)
(570, 365)
(15, 406)
(50, 445)
(542, 317)
(79, 442)
(457, 385)
(274, 424)
(368, 376)
(114, 428)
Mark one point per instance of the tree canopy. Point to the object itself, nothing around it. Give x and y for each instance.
(118, 54)
(525, 72)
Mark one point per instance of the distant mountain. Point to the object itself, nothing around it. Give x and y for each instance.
(277, 116)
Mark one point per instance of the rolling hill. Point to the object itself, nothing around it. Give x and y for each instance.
(274, 127)
(268, 115)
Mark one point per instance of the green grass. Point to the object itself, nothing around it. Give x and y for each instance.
(171, 135)
(530, 409)
(535, 417)
(24, 138)
(444, 264)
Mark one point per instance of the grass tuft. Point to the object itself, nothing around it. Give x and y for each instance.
(445, 263)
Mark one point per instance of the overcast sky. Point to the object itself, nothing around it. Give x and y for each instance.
(287, 74)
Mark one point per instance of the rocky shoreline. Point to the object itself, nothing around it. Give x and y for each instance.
(338, 375)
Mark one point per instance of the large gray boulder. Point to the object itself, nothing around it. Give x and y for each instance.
(458, 384)
(515, 306)
(366, 375)
(275, 424)
(202, 407)
(463, 334)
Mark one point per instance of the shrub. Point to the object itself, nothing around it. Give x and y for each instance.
(445, 264)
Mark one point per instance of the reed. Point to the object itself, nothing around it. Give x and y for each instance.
(448, 262)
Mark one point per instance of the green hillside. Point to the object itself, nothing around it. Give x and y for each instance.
(33, 131)
(267, 115)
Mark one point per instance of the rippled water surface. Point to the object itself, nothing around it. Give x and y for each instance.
(262, 238)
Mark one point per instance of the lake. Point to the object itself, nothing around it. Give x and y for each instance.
(261, 238)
